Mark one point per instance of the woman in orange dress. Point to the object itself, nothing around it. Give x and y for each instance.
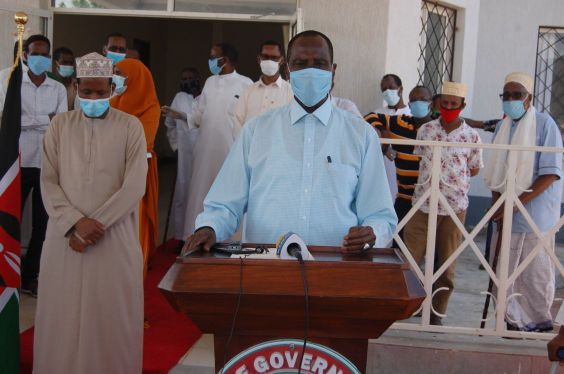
(136, 95)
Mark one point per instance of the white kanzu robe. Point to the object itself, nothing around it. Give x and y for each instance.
(89, 315)
(183, 139)
(215, 113)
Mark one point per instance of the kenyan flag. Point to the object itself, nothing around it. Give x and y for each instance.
(10, 218)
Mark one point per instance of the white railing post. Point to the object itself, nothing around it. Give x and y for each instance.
(503, 263)
(432, 232)
(502, 279)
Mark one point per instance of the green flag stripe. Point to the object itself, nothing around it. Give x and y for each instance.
(10, 336)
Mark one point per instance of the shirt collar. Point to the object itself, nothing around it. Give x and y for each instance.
(47, 82)
(323, 113)
(277, 83)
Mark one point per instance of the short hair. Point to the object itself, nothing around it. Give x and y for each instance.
(61, 51)
(227, 50)
(36, 38)
(273, 42)
(310, 33)
(396, 79)
(420, 87)
(191, 70)
(436, 96)
(114, 35)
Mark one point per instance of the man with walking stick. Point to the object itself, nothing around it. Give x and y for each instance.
(539, 188)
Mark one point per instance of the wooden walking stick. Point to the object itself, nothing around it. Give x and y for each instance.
(490, 284)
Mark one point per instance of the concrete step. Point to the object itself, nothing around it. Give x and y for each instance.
(411, 352)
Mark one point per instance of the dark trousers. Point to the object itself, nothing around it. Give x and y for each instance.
(402, 207)
(30, 184)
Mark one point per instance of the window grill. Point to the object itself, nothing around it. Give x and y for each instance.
(549, 73)
(436, 45)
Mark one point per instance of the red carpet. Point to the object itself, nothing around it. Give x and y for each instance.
(170, 333)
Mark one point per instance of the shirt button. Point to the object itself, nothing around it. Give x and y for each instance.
(304, 218)
(309, 140)
(308, 165)
(305, 190)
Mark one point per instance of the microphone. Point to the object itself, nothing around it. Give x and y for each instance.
(291, 246)
(295, 250)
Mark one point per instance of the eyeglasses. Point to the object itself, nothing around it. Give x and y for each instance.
(513, 95)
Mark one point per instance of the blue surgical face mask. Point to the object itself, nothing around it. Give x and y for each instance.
(115, 56)
(65, 71)
(38, 64)
(94, 108)
(119, 82)
(311, 85)
(391, 97)
(515, 109)
(419, 109)
(213, 63)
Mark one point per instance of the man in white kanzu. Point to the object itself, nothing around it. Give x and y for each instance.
(539, 187)
(183, 139)
(215, 115)
(89, 315)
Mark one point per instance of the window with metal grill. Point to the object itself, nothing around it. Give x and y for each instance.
(436, 45)
(549, 73)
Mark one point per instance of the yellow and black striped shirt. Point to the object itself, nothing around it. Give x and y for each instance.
(407, 164)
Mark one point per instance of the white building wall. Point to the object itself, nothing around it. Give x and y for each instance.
(358, 30)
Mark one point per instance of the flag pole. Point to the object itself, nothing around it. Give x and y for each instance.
(21, 19)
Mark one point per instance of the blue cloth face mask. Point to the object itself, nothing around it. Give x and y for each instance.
(391, 97)
(419, 109)
(38, 64)
(115, 56)
(94, 108)
(311, 85)
(213, 63)
(119, 82)
(65, 71)
(515, 109)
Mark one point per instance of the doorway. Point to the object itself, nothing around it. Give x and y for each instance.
(169, 45)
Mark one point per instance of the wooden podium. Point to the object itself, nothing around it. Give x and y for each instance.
(352, 298)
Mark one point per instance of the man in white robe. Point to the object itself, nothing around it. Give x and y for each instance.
(538, 184)
(183, 139)
(89, 315)
(215, 115)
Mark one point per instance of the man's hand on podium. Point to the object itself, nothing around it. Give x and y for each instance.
(357, 238)
(204, 237)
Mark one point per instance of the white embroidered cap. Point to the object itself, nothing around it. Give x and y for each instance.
(454, 89)
(94, 65)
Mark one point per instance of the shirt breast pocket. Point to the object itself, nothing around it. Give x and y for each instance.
(339, 180)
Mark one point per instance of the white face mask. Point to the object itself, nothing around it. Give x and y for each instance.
(269, 67)
(391, 97)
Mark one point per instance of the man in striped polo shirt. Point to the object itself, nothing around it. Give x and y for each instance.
(404, 127)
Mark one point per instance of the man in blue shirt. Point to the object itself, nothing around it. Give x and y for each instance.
(538, 185)
(306, 167)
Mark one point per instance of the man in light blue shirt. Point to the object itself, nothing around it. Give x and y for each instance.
(306, 167)
(539, 177)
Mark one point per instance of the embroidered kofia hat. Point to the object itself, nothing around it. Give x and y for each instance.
(94, 65)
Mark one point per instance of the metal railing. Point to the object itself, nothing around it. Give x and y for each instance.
(501, 278)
